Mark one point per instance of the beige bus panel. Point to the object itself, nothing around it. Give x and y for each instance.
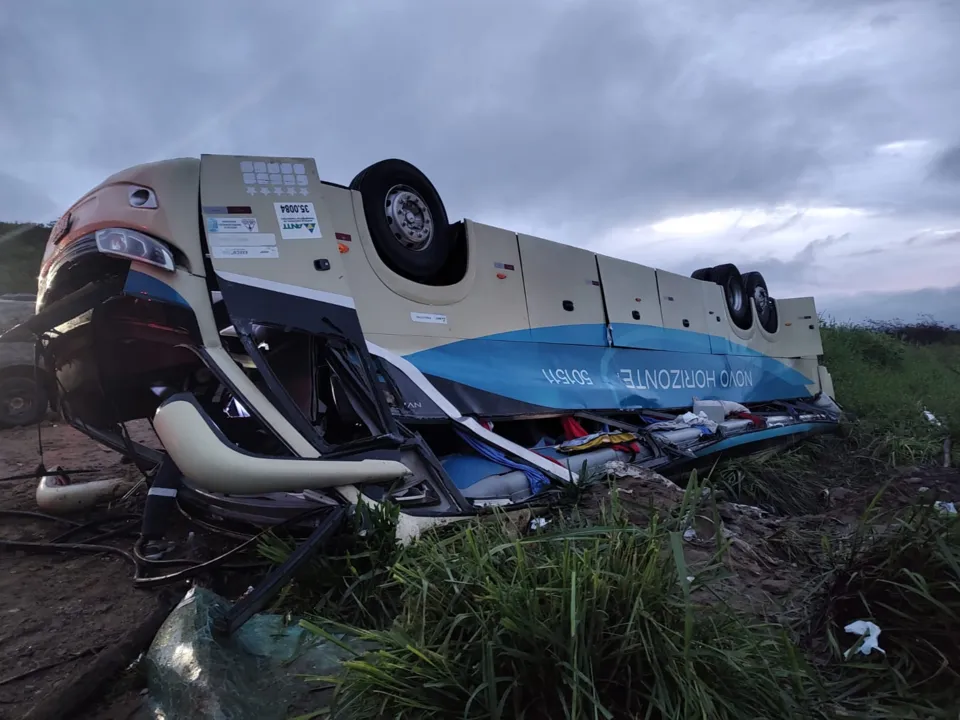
(404, 345)
(725, 337)
(289, 255)
(171, 216)
(826, 383)
(482, 304)
(555, 277)
(632, 302)
(681, 303)
(809, 368)
(799, 327)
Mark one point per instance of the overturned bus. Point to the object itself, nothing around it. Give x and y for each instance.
(298, 344)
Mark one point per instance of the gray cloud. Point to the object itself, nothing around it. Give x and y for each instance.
(929, 240)
(574, 116)
(598, 111)
(947, 164)
(24, 201)
(799, 269)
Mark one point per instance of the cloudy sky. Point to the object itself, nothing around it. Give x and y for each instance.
(815, 140)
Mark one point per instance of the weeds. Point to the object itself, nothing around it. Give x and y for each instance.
(351, 580)
(582, 622)
(888, 383)
(781, 482)
(905, 579)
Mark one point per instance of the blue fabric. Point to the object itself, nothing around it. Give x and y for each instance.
(538, 480)
(468, 470)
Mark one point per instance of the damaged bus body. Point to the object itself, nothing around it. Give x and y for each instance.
(298, 344)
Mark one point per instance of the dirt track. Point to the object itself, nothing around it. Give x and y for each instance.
(58, 609)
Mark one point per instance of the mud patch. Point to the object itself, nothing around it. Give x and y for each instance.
(900, 489)
(639, 493)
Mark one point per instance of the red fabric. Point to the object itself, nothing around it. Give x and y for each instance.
(758, 420)
(572, 429)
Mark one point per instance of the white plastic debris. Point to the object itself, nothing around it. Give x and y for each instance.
(931, 418)
(717, 410)
(689, 534)
(946, 507)
(870, 632)
(537, 523)
(699, 419)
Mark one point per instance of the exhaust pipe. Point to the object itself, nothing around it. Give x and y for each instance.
(207, 460)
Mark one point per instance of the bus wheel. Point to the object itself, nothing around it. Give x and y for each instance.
(406, 219)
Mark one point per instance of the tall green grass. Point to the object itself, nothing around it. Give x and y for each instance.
(904, 576)
(580, 622)
(887, 381)
(885, 375)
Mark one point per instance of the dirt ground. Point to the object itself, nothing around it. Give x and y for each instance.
(768, 556)
(57, 611)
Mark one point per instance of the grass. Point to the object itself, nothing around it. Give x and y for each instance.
(889, 382)
(606, 619)
(907, 581)
(592, 622)
(885, 375)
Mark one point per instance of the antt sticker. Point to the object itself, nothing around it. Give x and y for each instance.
(298, 221)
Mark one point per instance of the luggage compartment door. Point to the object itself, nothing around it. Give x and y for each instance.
(562, 288)
(632, 304)
(684, 314)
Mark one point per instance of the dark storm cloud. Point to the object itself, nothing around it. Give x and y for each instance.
(575, 112)
(584, 118)
(947, 165)
(800, 268)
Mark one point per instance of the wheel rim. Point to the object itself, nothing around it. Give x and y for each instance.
(761, 298)
(16, 404)
(409, 218)
(734, 295)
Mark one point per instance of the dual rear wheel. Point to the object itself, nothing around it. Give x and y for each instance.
(738, 289)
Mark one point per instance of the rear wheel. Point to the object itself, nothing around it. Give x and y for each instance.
(756, 287)
(772, 323)
(738, 307)
(23, 401)
(406, 218)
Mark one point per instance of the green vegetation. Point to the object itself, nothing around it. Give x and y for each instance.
(578, 623)
(608, 612)
(22, 247)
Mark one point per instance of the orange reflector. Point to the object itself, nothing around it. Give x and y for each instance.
(342, 248)
(502, 276)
